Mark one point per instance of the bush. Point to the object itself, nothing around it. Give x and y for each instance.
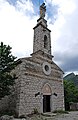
(9, 112)
(35, 111)
(60, 111)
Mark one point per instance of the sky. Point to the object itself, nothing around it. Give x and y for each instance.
(19, 17)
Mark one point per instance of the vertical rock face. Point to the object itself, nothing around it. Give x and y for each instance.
(39, 85)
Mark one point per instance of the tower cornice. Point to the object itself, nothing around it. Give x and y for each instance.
(42, 26)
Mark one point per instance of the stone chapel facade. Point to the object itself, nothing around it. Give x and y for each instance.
(40, 81)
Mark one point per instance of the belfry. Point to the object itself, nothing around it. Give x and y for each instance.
(39, 83)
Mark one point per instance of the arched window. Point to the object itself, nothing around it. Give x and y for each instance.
(45, 42)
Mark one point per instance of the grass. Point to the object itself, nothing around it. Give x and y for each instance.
(61, 112)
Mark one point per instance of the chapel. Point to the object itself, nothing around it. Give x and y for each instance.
(39, 83)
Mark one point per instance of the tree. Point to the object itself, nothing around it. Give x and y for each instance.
(7, 63)
(70, 93)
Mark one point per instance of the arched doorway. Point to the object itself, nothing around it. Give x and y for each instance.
(46, 98)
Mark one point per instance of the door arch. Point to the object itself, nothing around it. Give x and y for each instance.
(46, 90)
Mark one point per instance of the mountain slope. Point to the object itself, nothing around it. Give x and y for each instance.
(72, 77)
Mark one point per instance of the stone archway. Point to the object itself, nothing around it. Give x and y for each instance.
(47, 92)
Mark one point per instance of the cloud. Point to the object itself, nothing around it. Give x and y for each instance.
(25, 6)
(65, 6)
(64, 34)
(16, 27)
(67, 61)
(65, 49)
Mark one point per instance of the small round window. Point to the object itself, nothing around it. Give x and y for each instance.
(46, 68)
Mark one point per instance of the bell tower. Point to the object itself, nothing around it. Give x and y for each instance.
(42, 40)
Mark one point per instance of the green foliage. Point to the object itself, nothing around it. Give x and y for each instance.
(9, 112)
(70, 93)
(7, 63)
(60, 111)
(72, 77)
(35, 111)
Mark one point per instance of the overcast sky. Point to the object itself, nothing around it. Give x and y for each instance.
(18, 17)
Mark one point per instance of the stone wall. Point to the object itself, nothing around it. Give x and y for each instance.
(74, 106)
(39, 32)
(8, 105)
(32, 85)
(32, 79)
(4, 103)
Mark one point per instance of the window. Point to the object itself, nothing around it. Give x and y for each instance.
(45, 42)
(46, 67)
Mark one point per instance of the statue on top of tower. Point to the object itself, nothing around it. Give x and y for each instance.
(42, 10)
